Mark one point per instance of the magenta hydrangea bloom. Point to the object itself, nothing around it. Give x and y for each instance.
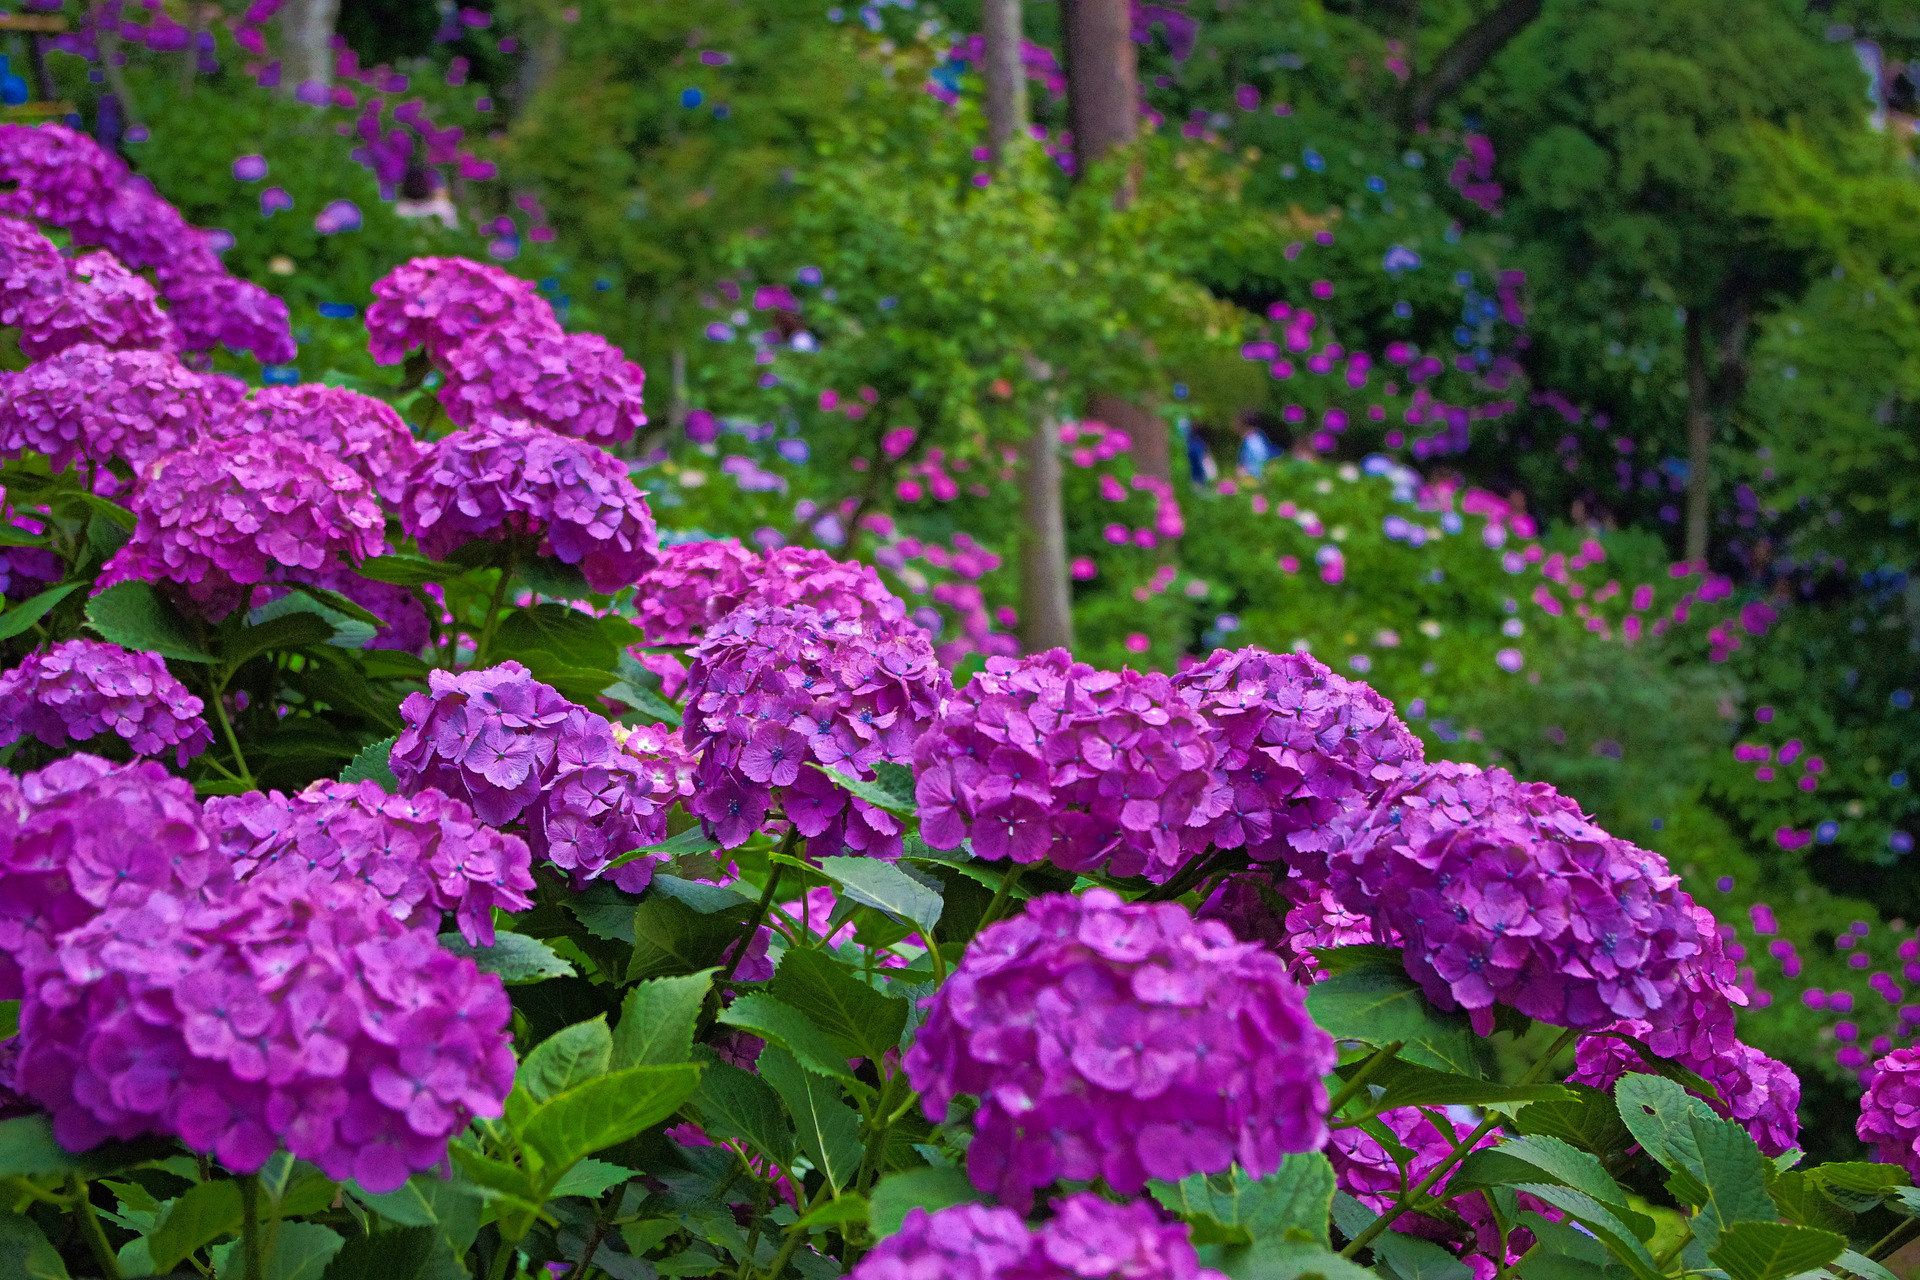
(773, 691)
(61, 177)
(1504, 892)
(509, 478)
(960, 1242)
(1044, 757)
(268, 508)
(837, 588)
(517, 751)
(1890, 1111)
(360, 431)
(101, 302)
(289, 1011)
(1295, 743)
(1087, 1238)
(693, 586)
(31, 268)
(425, 853)
(80, 689)
(437, 303)
(1123, 1041)
(1760, 1092)
(84, 834)
(1289, 916)
(404, 621)
(577, 384)
(91, 403)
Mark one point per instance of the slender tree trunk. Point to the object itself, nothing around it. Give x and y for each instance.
(1699, 437)
(190, 61)
(1103, 104)
(1046, 596)
(1006, 77)
(306, 39)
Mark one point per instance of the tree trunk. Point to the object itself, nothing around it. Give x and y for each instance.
(1699, 437)
(306, 52)
(190, 61)
(1463, 59)
(1046, 598)
(1006, 77)
(1103, 104)
(107, 36)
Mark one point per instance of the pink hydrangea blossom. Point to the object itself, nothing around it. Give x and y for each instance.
(1121, 1041)
(90, 403)
(80, 689)
(358, 430)
(437, 303)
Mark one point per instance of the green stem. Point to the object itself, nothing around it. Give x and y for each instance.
(1454, 1157)
(502, 1259)
(252, 1247)
(219, 701)
(1188, 876)
(1895, 1240)
(1367, 1071)
(487, 628)
(774, 868)
(1007, 882)
(91, 1229)
(796, 1235)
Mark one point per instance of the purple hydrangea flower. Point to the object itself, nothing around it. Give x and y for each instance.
(1890, 1111)
(84, 834)
(1505, 892)
(698, 583)
(693, 586)
(290, 1010)
(268, 508)
(425, 853)
(517, 751)
(360, 431)
(1044, 757)
(437, 303)
(91, 403)
(577, 384)
(55, 175)
(31, 268)
(961, 1242)
(509, 478)
(1763, 1094)
(1123, 1041)
(773, 691)
(1295, 743)
(1289, 916)
(100, 302)
(1087, 1238)
(82, 688)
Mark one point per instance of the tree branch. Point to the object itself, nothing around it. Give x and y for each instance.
(1464, 58)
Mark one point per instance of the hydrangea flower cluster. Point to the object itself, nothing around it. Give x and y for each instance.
(64, 179)
(58, 303)
(1123, 1041)
(84, 834)
(1504, 892)
(360, 431)
(577, 384)
(516, 751)
(438, 303)
(94, 404)
(503, 352)
(1044, 757)
(1295, 743)
(424, 853)
(1890, 1113)
(290, 1010)
(771, 691)
(693, 586)
(55, 175)
(1087, 1238)
(80, 689)
(267, 508)
(1762, 1093)
(509, 478)
(696, 584)
(1289, 916)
